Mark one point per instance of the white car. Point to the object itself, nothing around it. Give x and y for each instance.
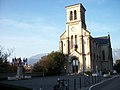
(95, 74)
(114, 72)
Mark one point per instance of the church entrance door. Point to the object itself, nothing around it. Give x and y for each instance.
(75, 65)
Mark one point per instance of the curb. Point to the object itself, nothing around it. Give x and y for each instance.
(102, 82)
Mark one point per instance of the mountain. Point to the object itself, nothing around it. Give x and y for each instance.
(116, 54)
(35, 58)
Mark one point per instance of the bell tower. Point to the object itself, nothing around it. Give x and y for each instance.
(74, 42)
(76, 13)
(75, 27)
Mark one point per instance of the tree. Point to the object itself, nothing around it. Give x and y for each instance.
(118, 61)
(56, 63)
(41, 65)
(52, 64)
(117, 66)
(4, 64)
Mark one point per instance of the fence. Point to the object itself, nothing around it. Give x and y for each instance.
(77, 83)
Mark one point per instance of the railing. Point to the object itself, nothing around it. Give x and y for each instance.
(62, 85)
(77, 83)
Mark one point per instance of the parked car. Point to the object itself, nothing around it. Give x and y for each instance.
(114, 72)
(96, 74)
(106, 75)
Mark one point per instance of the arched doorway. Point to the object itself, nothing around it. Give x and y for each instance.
(75, 65)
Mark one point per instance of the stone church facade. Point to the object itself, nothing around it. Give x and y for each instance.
(85, 53)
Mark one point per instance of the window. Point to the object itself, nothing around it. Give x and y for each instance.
(76, 46)
(75, 14)
(62, 46)
(71, 41)
(75, 39)
(103, 54)
(71, 15)
(94, 56)
(97, 57)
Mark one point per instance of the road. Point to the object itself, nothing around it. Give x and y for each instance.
(113, 84)
(46, 83)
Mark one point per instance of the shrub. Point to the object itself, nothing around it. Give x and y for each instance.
(88, 73)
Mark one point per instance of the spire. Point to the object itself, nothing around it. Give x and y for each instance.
(109, 43)
(108, 35)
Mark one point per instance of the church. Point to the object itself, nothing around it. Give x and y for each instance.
(84, 52)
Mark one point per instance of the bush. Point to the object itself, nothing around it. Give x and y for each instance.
(88, 73)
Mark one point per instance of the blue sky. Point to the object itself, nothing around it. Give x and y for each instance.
(34, 26)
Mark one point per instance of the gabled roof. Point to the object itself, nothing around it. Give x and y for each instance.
(63, 33)
(102, 40)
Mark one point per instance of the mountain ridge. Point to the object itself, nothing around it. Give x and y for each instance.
(33, 59)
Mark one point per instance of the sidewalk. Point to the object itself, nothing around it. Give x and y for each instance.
(88, 88)
(103, 81)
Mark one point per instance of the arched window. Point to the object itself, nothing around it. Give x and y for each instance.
(75, 14)
(75, 39)
(71, 15)
(103, 54)
(76, 46)
(94, 56)
(62, 46)
(71, 41)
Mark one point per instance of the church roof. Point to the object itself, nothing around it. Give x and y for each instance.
(102, 40)
(63, 33)
(75, 5)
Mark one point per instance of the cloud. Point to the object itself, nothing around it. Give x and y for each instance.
(13, 24)
(37, 26)
(30, 36)
(102, 27)
(27, 46)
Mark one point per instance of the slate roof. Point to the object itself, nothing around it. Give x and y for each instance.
(102, 40)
